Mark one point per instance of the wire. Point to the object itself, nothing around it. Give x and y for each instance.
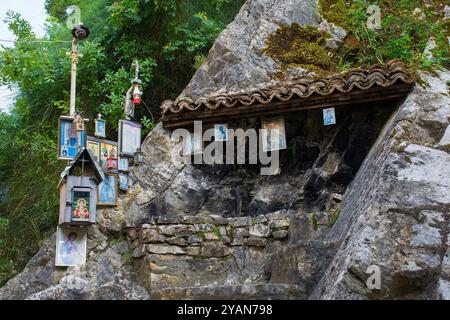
(148, 109)
(46, 41)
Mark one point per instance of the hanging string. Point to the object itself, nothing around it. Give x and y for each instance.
(148, 109)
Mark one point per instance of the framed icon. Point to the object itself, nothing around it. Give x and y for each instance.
(71, 246)
(94, 148)
(100, 128)
(70, 141)
(274, 135)
(129, 137)
(123, 182)
(107, 190)
(329, 116)
(221, 132)
(123, 164)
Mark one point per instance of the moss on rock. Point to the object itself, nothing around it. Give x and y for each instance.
(300, 46)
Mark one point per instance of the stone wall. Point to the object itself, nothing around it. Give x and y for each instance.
(185, 256)
(207, 235)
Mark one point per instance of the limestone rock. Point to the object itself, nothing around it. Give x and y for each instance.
(214, 249)
(150, 236)
(280, 234)
(164, 249)
(236, 62)
(257, 242)
(384, 221)
(259, 230)
(278, 223)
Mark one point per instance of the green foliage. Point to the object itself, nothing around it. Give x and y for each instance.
(314, 220)
(167, 37)
(406, 27)
(216, 232)
(199, 60)
(333, 215)
(127, 257)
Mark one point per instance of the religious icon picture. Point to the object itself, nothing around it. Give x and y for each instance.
(129, 137)
(80, 204)
(123, 164)
(274, 135)
(70, 141)
(94, 149)
(107, 191)
(71, 246)
(100, 127)
(111, 163)
(221, 132)
(123, 182)
(108, 155)
(329, 116)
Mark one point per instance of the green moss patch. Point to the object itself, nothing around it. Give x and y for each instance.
(300, 46)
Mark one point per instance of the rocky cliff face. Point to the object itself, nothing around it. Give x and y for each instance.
(373, 190)
(236, 61)
(396, 213)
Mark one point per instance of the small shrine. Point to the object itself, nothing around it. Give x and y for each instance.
(78, 190)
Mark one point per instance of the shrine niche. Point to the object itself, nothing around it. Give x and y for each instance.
(78, 190)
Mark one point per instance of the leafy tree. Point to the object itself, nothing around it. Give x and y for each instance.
(168, 37)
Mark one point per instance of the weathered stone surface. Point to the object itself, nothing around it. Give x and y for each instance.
(232, 292)
(242, 222)
(204, 227)
(383, 221)
(278, 215)
(164, 249)
(303, 263)
(280, 234)
(240, 232)
(168, 219)
(209, 236)
(177, 241)
(236, 62)
(219, 220)
(147, 235)
(277, 224)
(259, 230)
(214, 249)
(104, 277)
(194, 239)
(193, 251)
(178, 229)
(257, 242)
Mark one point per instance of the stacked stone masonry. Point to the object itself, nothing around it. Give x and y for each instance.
(207, 235)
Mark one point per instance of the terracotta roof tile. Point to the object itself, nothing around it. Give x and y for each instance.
(363, 79)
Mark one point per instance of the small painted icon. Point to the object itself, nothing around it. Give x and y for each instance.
(329, 116)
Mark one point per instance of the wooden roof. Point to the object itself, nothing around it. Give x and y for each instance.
(353, 87)
(83, 155)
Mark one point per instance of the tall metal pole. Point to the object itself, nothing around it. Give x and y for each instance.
(73, 75)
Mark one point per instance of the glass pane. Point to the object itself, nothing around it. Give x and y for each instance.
(80, 205)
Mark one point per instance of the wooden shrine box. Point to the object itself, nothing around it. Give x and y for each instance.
(78, 190)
